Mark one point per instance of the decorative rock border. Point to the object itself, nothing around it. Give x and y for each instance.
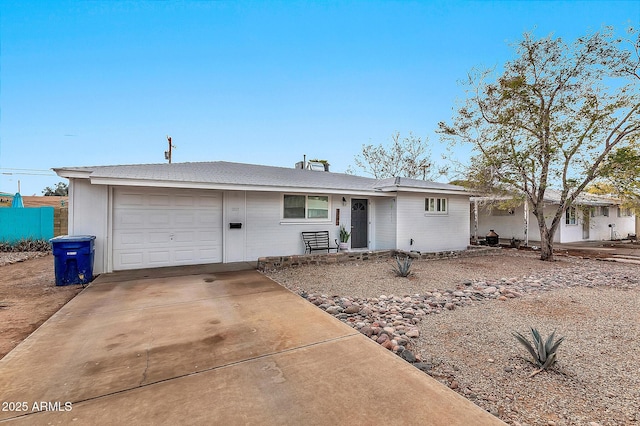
(275, 263)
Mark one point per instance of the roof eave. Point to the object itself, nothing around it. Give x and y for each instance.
(73, 173)
(398, 189)
(96, 180)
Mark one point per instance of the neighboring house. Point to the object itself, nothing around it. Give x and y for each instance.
(41, 201)
(154, 215)
(590, 218)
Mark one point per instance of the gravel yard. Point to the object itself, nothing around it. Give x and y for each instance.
(464, 311)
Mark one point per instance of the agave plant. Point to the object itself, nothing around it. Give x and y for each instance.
(403, 268)
(543, 351)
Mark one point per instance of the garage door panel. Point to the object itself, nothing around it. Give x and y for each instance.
(210, 220)
(212, 201)
(163, 237)
(131, 238)
(185, 237)
(209, 255)
(130, 220)
(158, 218)
(161, 257)
(129, 199)
(159, 200)
(130, 259)
(184, 255)
(185, 201)
(161, 227)
(209, 237)
(185, 219)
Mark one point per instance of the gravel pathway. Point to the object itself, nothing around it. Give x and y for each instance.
(454, 318)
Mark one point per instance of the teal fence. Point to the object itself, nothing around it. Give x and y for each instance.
(26, 223)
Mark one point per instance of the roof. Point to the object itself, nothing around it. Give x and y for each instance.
(583, 199)
(553, 196)
(227, 175)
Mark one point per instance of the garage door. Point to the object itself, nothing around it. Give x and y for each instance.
(166, 227)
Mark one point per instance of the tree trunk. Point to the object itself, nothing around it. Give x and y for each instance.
(546, 240)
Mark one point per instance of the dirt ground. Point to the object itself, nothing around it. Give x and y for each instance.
(28, 297)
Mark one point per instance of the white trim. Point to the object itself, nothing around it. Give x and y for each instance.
(71, 174)
(109, 243)
(71, 209)
(436, 212)
(233, 187)
(424, 190)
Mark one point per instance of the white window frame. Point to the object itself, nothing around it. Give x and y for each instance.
(571, 216)
(306, 217)
(624, 211)
(436, 205)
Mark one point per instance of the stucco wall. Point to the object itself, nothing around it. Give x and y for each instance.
(384, 215)
(265, 233)
(599, 226)
(88, 215)
(432, 232)
(269, 235)
(508, 226)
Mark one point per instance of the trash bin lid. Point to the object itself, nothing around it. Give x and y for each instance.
(69, 238)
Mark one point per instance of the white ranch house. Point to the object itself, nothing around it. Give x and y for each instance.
(156, 215)
(591, 218)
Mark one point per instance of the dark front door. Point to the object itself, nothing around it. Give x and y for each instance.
(359, 223)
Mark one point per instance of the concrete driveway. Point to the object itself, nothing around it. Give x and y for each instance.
(204, 345)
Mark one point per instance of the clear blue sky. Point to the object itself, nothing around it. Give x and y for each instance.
(103, 82)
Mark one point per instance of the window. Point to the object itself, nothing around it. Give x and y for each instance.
(435, 205)
(306, 207)
(605, 211)
(570, 216)
(624, 212)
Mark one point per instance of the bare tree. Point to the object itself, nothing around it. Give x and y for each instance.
(405, 157)
(555, 118)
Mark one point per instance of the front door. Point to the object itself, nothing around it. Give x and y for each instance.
(359, 223)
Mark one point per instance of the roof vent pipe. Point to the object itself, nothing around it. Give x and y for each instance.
(301, 164)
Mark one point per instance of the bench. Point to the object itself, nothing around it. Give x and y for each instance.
(317, 240)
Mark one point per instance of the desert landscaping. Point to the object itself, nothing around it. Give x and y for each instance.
(453, 319)
(465, 310)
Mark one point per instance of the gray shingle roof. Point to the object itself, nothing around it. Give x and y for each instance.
(553, 196)
(238, 174)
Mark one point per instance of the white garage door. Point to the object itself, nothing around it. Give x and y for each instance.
(166, 227)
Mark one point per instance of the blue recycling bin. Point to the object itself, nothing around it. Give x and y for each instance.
(73, 258)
